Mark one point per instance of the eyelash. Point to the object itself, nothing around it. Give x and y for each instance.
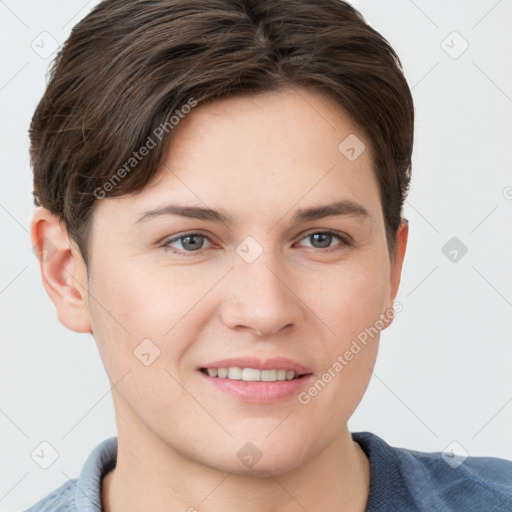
(344, 239)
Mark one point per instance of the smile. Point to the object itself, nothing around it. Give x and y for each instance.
(251, 374)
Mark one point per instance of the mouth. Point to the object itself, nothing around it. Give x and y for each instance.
(252, 374)
(256, 381)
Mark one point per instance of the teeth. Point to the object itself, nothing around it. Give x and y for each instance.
(269, 375)
(235, 373)
(251, 374)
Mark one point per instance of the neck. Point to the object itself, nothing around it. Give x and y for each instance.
(149, 475)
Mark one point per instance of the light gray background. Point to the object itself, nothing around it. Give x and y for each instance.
(443, 372)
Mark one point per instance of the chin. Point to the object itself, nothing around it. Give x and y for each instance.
(260, 457)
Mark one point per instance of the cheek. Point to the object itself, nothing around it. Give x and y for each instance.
(348, 300)
(141, 315)
(145, 302)
(350, 304)
(142, 325)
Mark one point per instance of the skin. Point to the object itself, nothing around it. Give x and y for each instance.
(258, 159)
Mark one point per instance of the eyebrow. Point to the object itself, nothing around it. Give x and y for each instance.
(345, 207)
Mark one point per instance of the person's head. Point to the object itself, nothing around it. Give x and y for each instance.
(253, 112)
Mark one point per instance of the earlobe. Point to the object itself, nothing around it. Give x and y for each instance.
(62, 268)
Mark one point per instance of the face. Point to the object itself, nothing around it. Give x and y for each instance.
(269, 283)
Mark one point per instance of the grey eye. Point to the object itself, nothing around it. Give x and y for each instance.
(322, 240)
(188, 243)
(192, 242)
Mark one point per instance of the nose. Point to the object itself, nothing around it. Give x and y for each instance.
(260, 298)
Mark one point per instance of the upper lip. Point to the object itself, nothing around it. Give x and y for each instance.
(273, 363)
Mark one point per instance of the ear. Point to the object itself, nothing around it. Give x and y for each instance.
(397, 263)
(63, 270)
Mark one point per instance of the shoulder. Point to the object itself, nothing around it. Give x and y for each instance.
(441, 481)
(82, 494)
(464, 483)
(59, 500)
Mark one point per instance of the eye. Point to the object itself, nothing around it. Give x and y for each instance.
(323, 239)
(190, 242)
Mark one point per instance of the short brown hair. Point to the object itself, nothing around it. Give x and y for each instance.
(130, 65)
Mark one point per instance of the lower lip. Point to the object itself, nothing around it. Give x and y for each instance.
(259, 392)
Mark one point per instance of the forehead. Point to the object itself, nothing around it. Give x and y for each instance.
(264, 154)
